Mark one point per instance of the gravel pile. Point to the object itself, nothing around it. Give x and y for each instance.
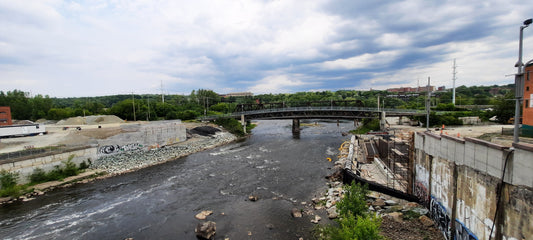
(140, 158)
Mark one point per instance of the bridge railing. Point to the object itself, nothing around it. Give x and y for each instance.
(311, 108)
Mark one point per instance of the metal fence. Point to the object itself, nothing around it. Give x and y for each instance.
(31, 152)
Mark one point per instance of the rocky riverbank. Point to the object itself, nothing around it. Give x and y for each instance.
(124, 162)
(137, 159)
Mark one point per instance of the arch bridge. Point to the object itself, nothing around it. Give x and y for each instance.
(351, 110)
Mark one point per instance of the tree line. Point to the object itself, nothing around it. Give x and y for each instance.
(207, 102)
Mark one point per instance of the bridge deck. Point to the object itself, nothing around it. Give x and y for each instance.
(333, 112)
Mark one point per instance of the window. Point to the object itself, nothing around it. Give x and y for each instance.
(527, 88)
(527, 103)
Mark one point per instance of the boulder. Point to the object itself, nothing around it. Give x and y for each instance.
(316, 219)
(296, 213)
(426, 221)
(396, 216)
(203, 215)
(253, 198)
(332, 213)
(206, 230)
(378, 203)
(391, 203)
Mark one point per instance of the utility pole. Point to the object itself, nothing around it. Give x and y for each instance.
(162, 92)
(519, 83)
(133, 98)
(148, 116)
(428, 106)
(454, 78)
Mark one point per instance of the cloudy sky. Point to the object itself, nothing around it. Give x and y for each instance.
(105, 47)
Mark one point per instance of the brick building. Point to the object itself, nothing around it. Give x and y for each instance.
(527, 107)
(5, 116)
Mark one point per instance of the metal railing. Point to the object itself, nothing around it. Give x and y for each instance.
(31, 152)
(311, 108)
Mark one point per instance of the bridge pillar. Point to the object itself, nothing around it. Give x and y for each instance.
(382, 121)
(295, 125)
(243, 123)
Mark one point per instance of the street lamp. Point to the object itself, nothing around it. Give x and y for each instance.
(519, 83)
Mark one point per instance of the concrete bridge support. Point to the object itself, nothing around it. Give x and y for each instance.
(295, 125)
(382, 121)
(243, 123)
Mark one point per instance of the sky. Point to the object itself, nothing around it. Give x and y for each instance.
(106, 47)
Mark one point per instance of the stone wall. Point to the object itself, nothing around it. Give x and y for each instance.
(47, 163)
(459, 181)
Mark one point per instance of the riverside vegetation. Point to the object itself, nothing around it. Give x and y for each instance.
(355, 221)
(10, 188)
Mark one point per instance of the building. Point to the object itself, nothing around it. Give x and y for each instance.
(411, 89)
(238, 94)
(5, 116)
(527, 107)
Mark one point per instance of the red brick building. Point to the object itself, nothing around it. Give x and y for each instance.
(5, 116)
(527, 107)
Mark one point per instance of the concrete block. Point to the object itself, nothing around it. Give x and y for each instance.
(443, 149)
(495, 161)
(523, 168)
(480, 157)
(459, 153)
(469, 154)
(450, 154)
(6, 166)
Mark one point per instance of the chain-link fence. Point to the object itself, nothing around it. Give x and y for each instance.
(31, 152)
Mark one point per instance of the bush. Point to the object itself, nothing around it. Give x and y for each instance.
(38, 176)
(354, 200)
(8, 179)
(354, 223)
(8, 184)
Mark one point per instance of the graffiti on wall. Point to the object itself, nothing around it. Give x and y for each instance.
(439, 214)
(421, 193)
(110, 149)
(462, 232)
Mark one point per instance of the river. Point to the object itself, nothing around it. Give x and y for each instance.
(160, 202)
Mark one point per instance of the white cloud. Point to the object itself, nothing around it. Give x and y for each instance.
(277, 84)
(367, 60)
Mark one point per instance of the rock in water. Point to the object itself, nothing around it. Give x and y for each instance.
(332, 213)
(203, 215)
(296, 213)
(253, 198)
(206, 230)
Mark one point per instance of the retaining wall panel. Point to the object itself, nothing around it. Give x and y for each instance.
(495, 162)
(469, 154)
(523, 168)
(480, 157)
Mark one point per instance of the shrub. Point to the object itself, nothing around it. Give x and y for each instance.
(8, 179)
(38, 176)
(232, 125)
(354, 200)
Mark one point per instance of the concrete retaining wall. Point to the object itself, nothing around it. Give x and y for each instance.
(47, 163)
(145, 136)
(458, 180)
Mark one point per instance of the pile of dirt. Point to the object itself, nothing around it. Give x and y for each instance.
(204, 130)
(409, 229)
(91, 120)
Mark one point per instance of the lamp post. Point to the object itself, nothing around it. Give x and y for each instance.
(519, 83)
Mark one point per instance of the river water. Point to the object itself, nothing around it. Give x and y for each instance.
(160, 202)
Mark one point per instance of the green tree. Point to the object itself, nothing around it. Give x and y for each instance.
(504, 108)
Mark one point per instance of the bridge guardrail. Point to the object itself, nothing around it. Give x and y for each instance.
(331, 108)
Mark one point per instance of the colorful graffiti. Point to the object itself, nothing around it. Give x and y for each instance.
(462, 232)
(440, 216)
(111, 149)
(421, 193)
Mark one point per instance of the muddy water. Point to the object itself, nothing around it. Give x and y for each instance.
(160, 202)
